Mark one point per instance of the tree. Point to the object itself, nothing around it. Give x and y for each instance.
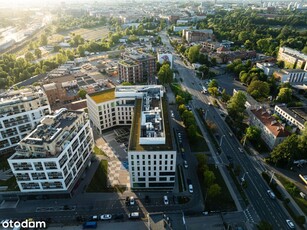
(263, 225)
(214, 190)
(179, 100)
(236, 106)
(181, 108)
(192, 131)
(209, 178)
(286, 151)
(29, 57)
(225, 96)
(82, 93)
(126, 83)
(213, 91)
(165, 74)
(259, 89)
(213, 83)
(43, 40)
(38, 53)
(252, 133)
(284, 95)
(81, 50)
(193, 54)
(304, 50)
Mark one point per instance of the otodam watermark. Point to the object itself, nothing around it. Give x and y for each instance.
(24, 224)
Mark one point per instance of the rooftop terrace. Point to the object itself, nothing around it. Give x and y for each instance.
(103, 96)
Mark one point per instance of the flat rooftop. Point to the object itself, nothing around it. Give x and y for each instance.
(134, 142)
(103, 96)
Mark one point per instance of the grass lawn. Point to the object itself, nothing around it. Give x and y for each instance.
(294, 192)
(222, 202)
(198, 144)
(99, 180)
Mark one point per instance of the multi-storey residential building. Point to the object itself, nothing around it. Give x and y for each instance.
(20, 111)
(151, 154)
(268, 68)
(293, 59)
(197, 35)
(293, 76)
(272, 132)
(53, 156)
(293, 116)
(137, 67)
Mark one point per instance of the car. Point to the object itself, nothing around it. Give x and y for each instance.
(95, 217)
(134, 215)
(241, 150)
(147, 200)
(271, 194)
(131, 200)
(242, 179)
(172, 114)
(185, 164)
(290, 224)
(190, 188)
(165, 200)
(106, 217)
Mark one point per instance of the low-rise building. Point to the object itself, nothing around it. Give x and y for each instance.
(292, 76)
(151, 154)
(293, 59)
(53, 156)
(20, 111)
(293, 116)
(268, 68)
(272, 132)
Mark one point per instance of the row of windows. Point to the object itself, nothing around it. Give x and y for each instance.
(150, 156)
(144, 163)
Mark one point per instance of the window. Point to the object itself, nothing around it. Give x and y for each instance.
(160, 157)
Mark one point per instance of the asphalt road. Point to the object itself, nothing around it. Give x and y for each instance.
(266, 208)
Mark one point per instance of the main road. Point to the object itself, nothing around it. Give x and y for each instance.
(266, 208)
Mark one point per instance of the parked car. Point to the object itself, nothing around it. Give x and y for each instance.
(165, 200)
(118, 216)
(95, 217)
(290, 224)
(271, 194)
(134, 215)
(131, 201)
(106, 217)
(190, 188)
(185, 164)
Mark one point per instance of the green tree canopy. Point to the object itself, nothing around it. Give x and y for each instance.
(165, 74)
(236, 106)
(82, 93)
(193, 53)
(284, 95)
(252, 133)
(259, 89)
(214, 190)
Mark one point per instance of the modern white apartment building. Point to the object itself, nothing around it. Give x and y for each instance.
(293, 76)
(20, 111)
(53, 156)
(151, 154)
(293, 116)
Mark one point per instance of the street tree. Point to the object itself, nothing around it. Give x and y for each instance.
(236, 106)
(209, 178)
(259, 89)
(193, 53)
(165, 74)
(214, 190)
(284, 95)
(252, 133)
(38, 53)
(43, 40)
(29, 57)
(213, 83)
(179, 100)
(213, 91)
(82, 93)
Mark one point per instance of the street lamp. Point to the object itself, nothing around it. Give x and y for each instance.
(221, 140)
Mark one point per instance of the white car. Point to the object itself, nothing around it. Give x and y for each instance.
(131, 200)
(94, 217)
(165, 200)
(190, 188)
(271, 194)
(106, 217)
(172, 114)
(185, 164)
(290, 224)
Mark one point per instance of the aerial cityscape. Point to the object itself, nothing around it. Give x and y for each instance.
(137, 115)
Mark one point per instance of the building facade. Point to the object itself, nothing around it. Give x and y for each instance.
(293, 59)
(137, 67)
(53, 156)
(20, 112)
(294, 117)
(197, 35)
(151, 154)
(293, 76)
(272, 132)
